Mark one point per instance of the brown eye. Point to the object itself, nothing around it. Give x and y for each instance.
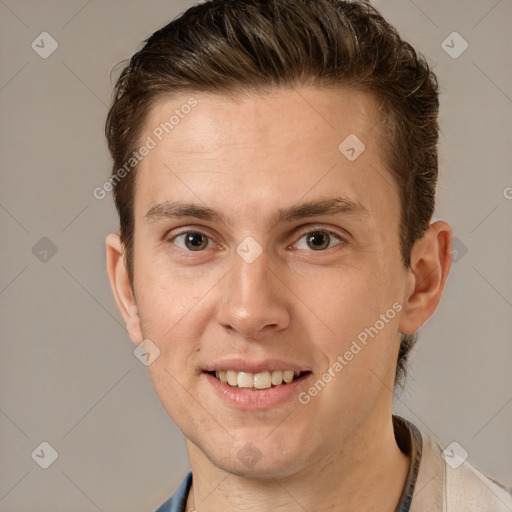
(192, 241)
(318, 240)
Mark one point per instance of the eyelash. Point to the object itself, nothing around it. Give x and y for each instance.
(321, 229)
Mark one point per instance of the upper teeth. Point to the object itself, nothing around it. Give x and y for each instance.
(261, 380)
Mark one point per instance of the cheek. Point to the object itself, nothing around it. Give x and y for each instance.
(179, 398)
(358, 306)
(349, 300)
(167, 295)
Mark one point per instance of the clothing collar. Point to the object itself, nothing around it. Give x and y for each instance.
(409, 440)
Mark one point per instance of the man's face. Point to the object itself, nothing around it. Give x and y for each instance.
(258, 282)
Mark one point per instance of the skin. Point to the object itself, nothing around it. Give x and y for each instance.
(247, 157)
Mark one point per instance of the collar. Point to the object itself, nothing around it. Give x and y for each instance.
(409, 440)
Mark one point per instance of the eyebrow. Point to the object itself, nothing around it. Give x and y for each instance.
(325, 206)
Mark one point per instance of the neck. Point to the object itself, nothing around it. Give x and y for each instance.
(367, 476)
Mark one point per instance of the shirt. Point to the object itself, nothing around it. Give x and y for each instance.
(435, 483)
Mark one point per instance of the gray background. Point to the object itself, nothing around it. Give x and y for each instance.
(68, 373)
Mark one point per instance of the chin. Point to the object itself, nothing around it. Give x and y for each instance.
(262, 459)
(264, 469)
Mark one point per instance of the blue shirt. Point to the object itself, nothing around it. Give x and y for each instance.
(407, 436)
(178, 502)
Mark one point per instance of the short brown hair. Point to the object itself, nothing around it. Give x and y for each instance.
(230, 46)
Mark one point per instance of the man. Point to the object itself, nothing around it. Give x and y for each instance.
(275, 165)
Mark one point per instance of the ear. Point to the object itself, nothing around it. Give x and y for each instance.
(121, 286)
(431, 260)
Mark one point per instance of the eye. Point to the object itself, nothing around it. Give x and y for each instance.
(192, 241)
(318, 240)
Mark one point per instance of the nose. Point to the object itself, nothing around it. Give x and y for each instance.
(253, 300)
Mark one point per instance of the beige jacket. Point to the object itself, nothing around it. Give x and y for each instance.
(442, 488)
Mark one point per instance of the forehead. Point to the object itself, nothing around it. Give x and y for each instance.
(276, 119)
(263, 148)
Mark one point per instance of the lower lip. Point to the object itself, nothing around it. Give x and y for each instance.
(257, 399)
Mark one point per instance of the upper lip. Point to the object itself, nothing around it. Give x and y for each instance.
(244, 365)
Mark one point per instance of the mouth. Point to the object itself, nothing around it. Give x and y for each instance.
(257, 381)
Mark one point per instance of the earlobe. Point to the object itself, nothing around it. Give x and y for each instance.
(431, 261)
(121, 286)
